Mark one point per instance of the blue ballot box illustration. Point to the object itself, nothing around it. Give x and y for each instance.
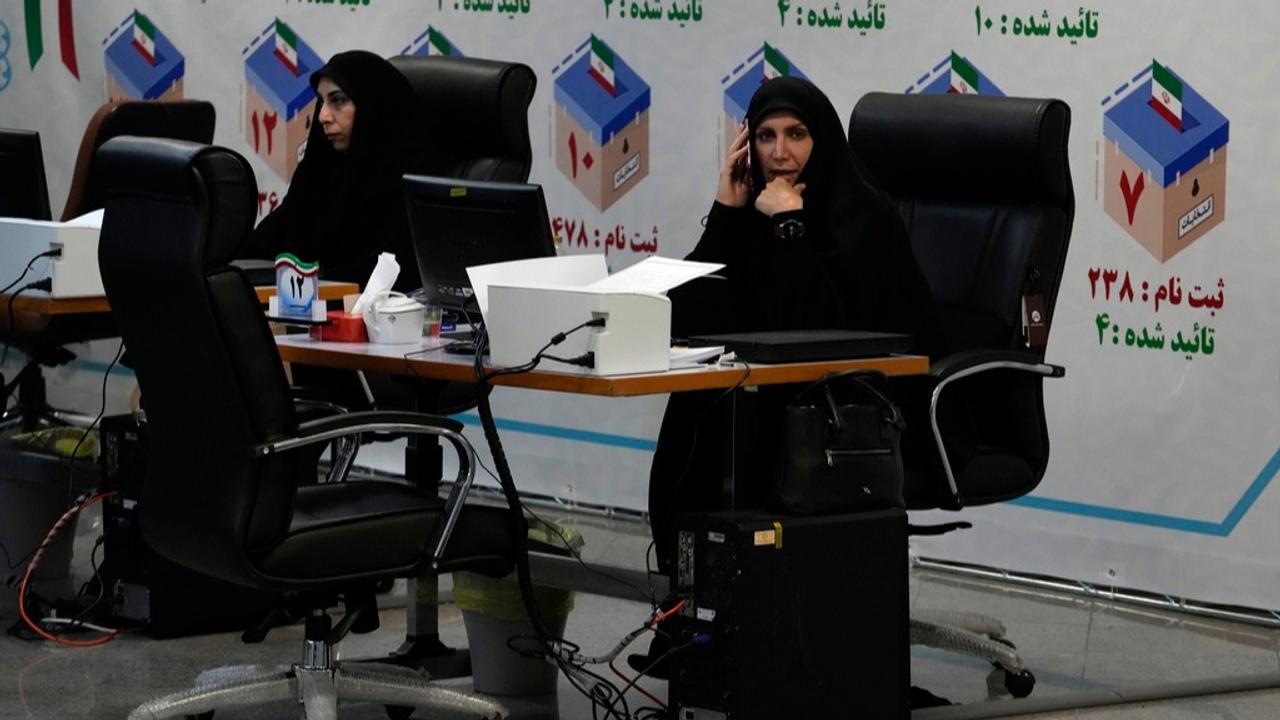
(601, 123)
(278, 99)
(141, 63)
(955, 74)
(742, 82)
(1164, 161)
(431, 42)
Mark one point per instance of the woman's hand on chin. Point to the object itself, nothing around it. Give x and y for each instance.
(780, 196)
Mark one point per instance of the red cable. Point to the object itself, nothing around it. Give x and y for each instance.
(635, 685)
(674, 609)
(35, 560)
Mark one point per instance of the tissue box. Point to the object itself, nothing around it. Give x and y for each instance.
(342, 327)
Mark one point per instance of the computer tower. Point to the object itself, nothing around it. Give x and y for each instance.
(142, 586)
(791, 617)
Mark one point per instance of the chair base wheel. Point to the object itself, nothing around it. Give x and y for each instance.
(399, 712)
(1019, 684)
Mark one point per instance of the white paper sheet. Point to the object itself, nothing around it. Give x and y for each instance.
(655, 274)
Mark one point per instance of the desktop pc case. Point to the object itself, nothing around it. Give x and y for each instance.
(791, 617)
(143, 587)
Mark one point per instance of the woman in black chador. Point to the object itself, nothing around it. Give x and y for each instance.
(345, 205)
(809, 241)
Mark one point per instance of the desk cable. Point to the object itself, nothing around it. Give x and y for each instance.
(45, 284)
(78, 622)
(599, 690)
(31, 263)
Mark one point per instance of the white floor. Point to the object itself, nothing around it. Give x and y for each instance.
(1083, 652)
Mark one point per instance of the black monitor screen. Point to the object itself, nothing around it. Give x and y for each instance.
(460, 223)
(24, 192)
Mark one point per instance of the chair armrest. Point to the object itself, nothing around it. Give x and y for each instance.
(975, 361)
(956, 367)
(329, 428)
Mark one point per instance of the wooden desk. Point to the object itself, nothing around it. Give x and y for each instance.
(45, 306)
(428, 360)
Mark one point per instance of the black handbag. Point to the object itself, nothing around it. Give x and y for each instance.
(841, 447)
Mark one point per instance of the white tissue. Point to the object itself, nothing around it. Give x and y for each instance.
(381, 279)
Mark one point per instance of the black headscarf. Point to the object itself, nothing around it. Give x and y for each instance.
(344, 208)
(853, 269)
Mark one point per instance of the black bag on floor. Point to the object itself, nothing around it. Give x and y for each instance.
(840, 447)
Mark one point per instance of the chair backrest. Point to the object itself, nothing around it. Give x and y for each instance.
(211, 378)
(24, 192)
(474, 115)
(984, 186)
(191, 120)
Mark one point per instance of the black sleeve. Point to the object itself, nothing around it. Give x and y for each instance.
(705, 305)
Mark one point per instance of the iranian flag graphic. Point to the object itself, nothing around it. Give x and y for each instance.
(775, 65)
(601, 67)
(964, 79)
(287, 46)
(1166, 95)
(436, 42)
(144, 37)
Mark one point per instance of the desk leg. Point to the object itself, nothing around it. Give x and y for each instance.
(422, 648)
(737, 420)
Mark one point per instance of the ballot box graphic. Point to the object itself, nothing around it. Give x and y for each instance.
(141, 63)
(1164, 161)
(431, 42)
(278, 99)
(739, 85)
(955, 74)
(601, 118)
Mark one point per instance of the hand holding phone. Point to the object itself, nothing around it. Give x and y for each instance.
(735, 174)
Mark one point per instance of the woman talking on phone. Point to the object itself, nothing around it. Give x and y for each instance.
(809, 241)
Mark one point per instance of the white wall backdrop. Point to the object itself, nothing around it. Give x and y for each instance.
(1163, 459)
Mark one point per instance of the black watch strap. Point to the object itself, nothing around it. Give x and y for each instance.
(789, 225)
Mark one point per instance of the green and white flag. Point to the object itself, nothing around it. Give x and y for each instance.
(964, 78)
(144, 37)
(437, 43)
(287, 46)
(775, 65)
(601, 67)
(1166, 95)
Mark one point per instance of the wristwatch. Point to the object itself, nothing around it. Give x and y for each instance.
(789, 229)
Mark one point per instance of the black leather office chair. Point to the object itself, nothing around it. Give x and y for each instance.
(191, 120)
(24, 192)
(44, 340)
(474, 114)
(230, 488)
(984, 186)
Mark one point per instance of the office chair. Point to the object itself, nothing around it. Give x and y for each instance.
(24, 192)
(191, 120)
(230, 488)
(984, 187)
(474, 114)
(43, 341)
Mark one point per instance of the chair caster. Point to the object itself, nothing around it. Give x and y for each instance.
(399, 712)
(1019, 684)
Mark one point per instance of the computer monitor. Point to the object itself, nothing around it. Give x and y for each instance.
(459, 223)
(24, 192)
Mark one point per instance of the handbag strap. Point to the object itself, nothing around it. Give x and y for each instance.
(859, 379)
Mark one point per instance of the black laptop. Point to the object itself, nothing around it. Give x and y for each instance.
(781, 346)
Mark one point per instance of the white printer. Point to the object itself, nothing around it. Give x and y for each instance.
(73, 271)
(527, 302)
